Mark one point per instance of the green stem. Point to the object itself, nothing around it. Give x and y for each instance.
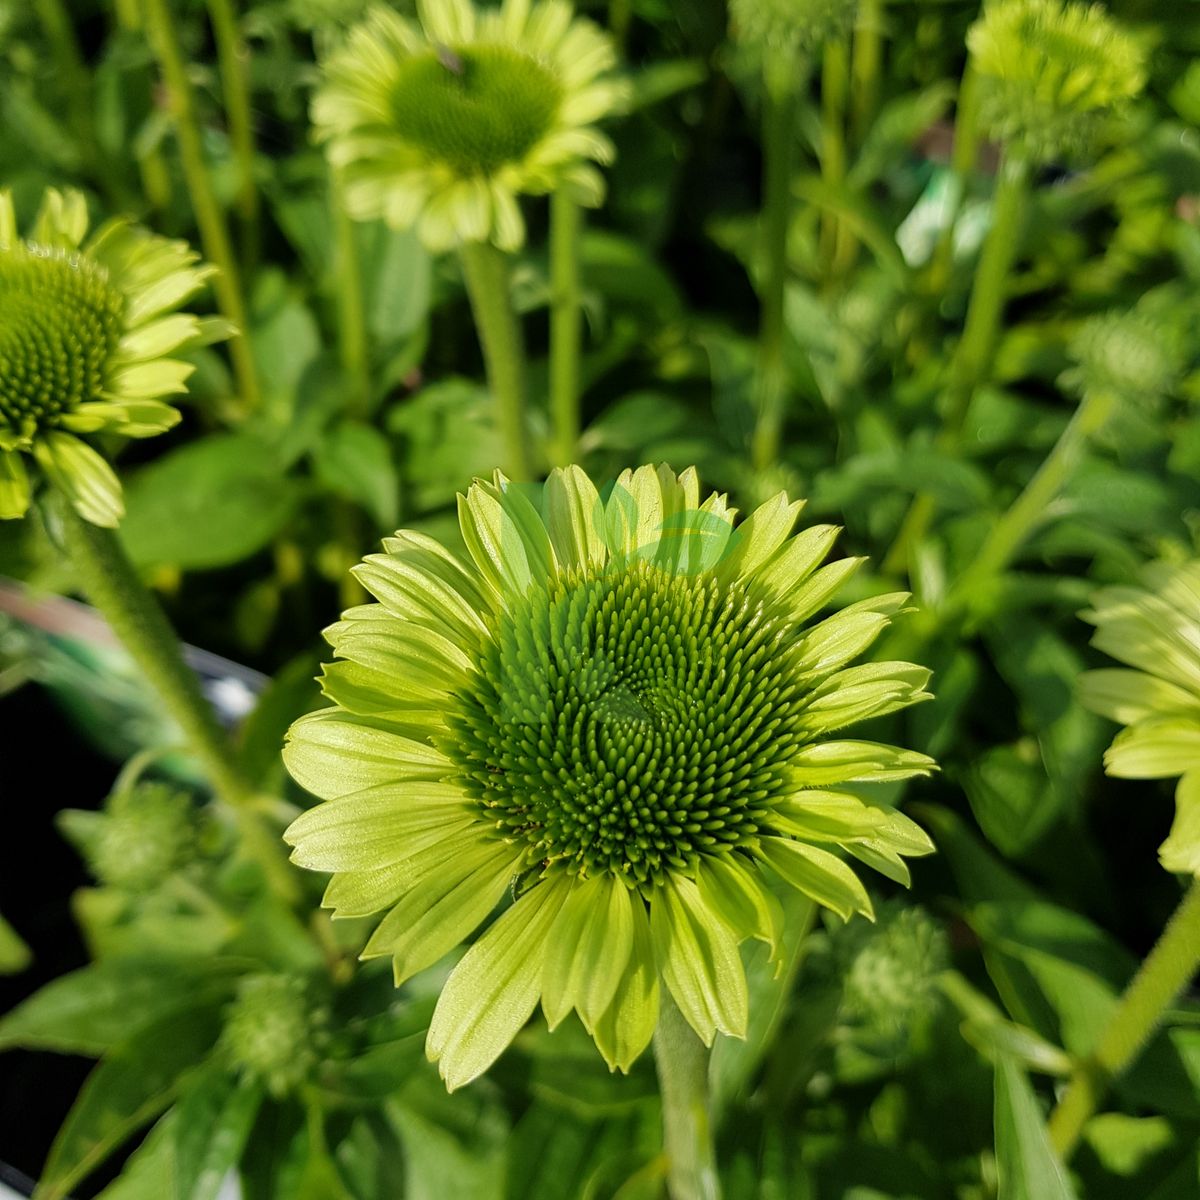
(487, 274)
(682, 1062)
(1164, 974)
(113, 586)
(1010, 533)
(214, 234)
(233, 58)
(865, 67)
(566, 325)
(962, 163)
(779, 111)
(835, 94)
(353, 343)
(973, 356)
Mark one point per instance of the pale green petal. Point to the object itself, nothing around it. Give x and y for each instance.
(699, 960)
(506, 538)
(158, 338)
(759, 536)
(372, 827)
(1155, 749)
(624, 1030)
(14, 486)
(820, 587)
(61, 221)
(376, 694)
(737, 894)
(819, 875)
(428, 663)
(799, 557)
(1181, 851)
(150, 380)
(633, 515)
(8, 220)
(879, 858)
(495, 988)
(82, 476)
(411, 593)
(332, 754)
(451, 22)
(590, 946)
(835, 641)
(443, 908)
(857, 762)
(1131, 696)
(823, 816)
(132, 418)
(859, 693)
(428, 564)
(574, 516)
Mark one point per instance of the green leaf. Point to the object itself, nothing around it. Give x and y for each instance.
(210, 503)
(131, 1085)
(1026, 1165)
(14, 954)
(91, 1010)
(355, 461)
(211, 1124)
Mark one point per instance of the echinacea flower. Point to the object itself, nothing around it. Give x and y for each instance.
(619, 711)
(789, 30)
(443, 125)
(1156, 630)
(87, 328)
(1052, 75)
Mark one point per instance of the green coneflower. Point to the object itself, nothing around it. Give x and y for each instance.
(1155, 629)
(620, 710)
(443, 125)
(271, 1031)
(87, 328)
(788, 30)
(1052, 75)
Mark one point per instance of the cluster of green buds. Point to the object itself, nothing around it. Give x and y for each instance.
(1139, 355)
(1053, 76)
(273, 1032)
(784, 36)
(888, 974)
(144, 835)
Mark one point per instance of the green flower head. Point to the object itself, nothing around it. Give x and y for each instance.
(789, 29)
(270, 1032)
(443, 125)
(1156, 630)
(620, 711)
(87, 328)
(1052, 75)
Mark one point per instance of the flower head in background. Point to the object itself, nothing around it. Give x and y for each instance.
(785, 35)
(87, 328)
(272, 1032)
(1155, 629)
(1052, 75)
(443, 125)
(622, 711)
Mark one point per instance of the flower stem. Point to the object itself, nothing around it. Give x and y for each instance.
(233, 59)
(566, 222)
(113, 586)
(213, 232)
(682, 1062)
(973, 357)
(835, 93)
(1165, 973)
(779, 110)
(865, 67)
(487, 274)
(1010, 533)
(353, 344)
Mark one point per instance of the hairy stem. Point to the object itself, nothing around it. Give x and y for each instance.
(779, 110)
(1172, 963)
(214, 234)
(682, 1062)
(566, 222)
(487, 274)
(973, 356)
(234, 59)
(135, 616)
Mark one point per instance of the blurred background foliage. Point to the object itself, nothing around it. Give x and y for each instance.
(905, 1061)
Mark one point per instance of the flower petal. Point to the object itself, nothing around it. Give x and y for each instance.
(819, 875)
(1181, 851)
(14, 486)
(625, 1028)
(82, 476)
(574, 516)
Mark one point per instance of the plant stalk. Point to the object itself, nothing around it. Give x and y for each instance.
(865, 68)
(566, 325)
(233, 58)
(1170, 966)
(962, 162)
(353, 342)
(779, 112)
(973, 356)
(835, 94)
(681, 1059)
(214, 234)
(486, 270)
(135, 616)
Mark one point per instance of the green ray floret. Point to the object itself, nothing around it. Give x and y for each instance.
(443, 124)
(1053, 76)
(87, 330)
(624, 710)
(1154, 628)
